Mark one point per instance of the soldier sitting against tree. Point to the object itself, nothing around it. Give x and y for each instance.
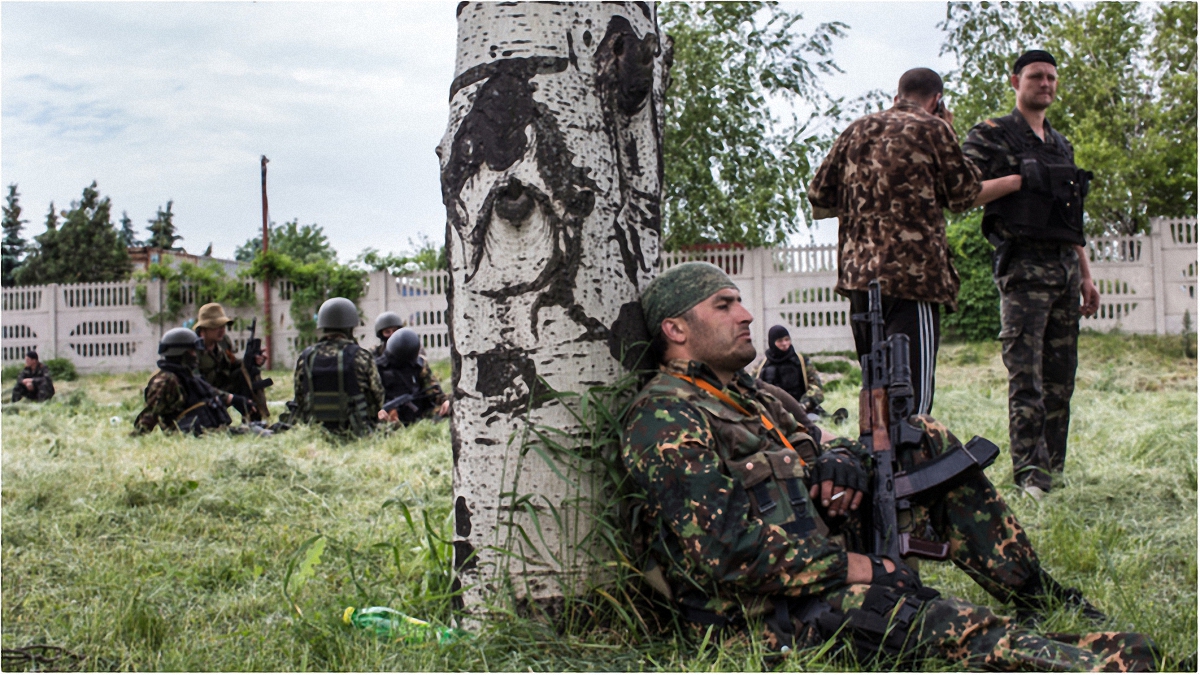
(743, 506)
(410, 390)
(177, 398)
(34, 381)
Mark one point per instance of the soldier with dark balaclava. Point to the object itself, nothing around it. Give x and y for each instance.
(177, 398)
(410, 389)
(337, 384)
(792, 372)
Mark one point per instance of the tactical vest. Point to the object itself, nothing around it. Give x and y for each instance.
(788, 375)
(1028, 214)
(203, 408)
(335, 398)
(771, 474)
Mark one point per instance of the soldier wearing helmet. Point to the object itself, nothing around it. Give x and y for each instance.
(411, 392)
(337, 384)
(177, 398)
(386, 325)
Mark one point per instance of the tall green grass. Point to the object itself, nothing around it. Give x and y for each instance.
(241, 553)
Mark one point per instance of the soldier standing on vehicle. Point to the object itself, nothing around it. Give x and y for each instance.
(336, 382)
(741, 503)
(177, 399)
(34, 382)
(406, 377)
(888, 178)
(1040, 267)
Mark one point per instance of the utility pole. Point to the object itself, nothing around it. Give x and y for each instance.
(266, 235)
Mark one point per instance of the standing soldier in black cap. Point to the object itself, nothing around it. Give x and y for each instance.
(34, 381)
(1040, 267)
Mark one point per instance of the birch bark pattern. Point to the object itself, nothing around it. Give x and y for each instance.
(551, 177)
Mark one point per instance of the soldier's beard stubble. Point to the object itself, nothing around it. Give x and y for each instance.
(721, 352)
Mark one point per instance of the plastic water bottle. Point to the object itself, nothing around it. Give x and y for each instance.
(389, 623)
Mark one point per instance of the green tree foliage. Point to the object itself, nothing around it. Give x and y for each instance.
(422, 255)
(162, 228)
(209, 280)
(732, 171)
(86, 248)
(978, 315)
(312, 284)
(127, 234)
(1126, 96)
(13, 246)
(302, 243)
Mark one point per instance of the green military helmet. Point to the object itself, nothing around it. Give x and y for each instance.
(403, 346)
(337, 314)
(177, 342)
(387, 320)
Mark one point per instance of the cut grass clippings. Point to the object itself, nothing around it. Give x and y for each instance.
(241, 553)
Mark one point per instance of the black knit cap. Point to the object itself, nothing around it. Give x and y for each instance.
(31, 354)
(1033, 56)
(777, 332)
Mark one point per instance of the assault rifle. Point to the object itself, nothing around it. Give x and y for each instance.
(255, 383)
(884, 407)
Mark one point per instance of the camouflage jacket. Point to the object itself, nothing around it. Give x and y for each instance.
(43, 386)
(364, 369)
(167, 399)
(990, 149)
(682, 446)
(221, 368)
(888, 177)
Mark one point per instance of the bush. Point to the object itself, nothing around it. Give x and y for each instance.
(978, 315)
(62, 370)
(10, 373)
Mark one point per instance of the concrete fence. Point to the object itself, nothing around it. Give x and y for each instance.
(1146, 282)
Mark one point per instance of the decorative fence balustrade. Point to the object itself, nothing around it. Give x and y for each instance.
(1146, 282)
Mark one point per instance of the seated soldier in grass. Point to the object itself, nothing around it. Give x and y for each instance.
(34, 381)
(177, 399)
(218, 365)
(385, 325)
(791, 371)
(410, 391)
(748, 513)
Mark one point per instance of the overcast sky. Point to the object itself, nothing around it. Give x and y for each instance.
(158, 101)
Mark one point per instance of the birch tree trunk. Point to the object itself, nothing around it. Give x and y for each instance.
(551, 176)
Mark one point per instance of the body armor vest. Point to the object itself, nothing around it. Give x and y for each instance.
(787, 374)
(335, 398)
(1053, 213)
(400, 380)
(203, 408)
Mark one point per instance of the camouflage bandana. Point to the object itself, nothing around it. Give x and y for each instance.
(679, 289)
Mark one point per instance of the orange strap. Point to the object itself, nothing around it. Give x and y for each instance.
(734, 404)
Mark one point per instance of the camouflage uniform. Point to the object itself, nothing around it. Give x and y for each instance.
(221, 368)
(43, 386)
(167, 400)
(1039, 283)
(721, 549)
(888, 177)
(364, 371)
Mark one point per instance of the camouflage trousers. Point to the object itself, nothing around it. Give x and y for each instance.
(1039, 315)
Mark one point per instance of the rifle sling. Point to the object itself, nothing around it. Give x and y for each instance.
(734, 404)
(978, 453)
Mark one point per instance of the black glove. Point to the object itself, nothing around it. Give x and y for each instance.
(903, 577)
(1035, 176)
(843, 469)
(241, 404)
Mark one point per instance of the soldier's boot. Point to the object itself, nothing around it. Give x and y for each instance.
(1041, 594)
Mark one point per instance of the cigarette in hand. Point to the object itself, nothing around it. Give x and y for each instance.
(837, 496)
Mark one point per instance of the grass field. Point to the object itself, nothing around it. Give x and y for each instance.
(170, 553)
